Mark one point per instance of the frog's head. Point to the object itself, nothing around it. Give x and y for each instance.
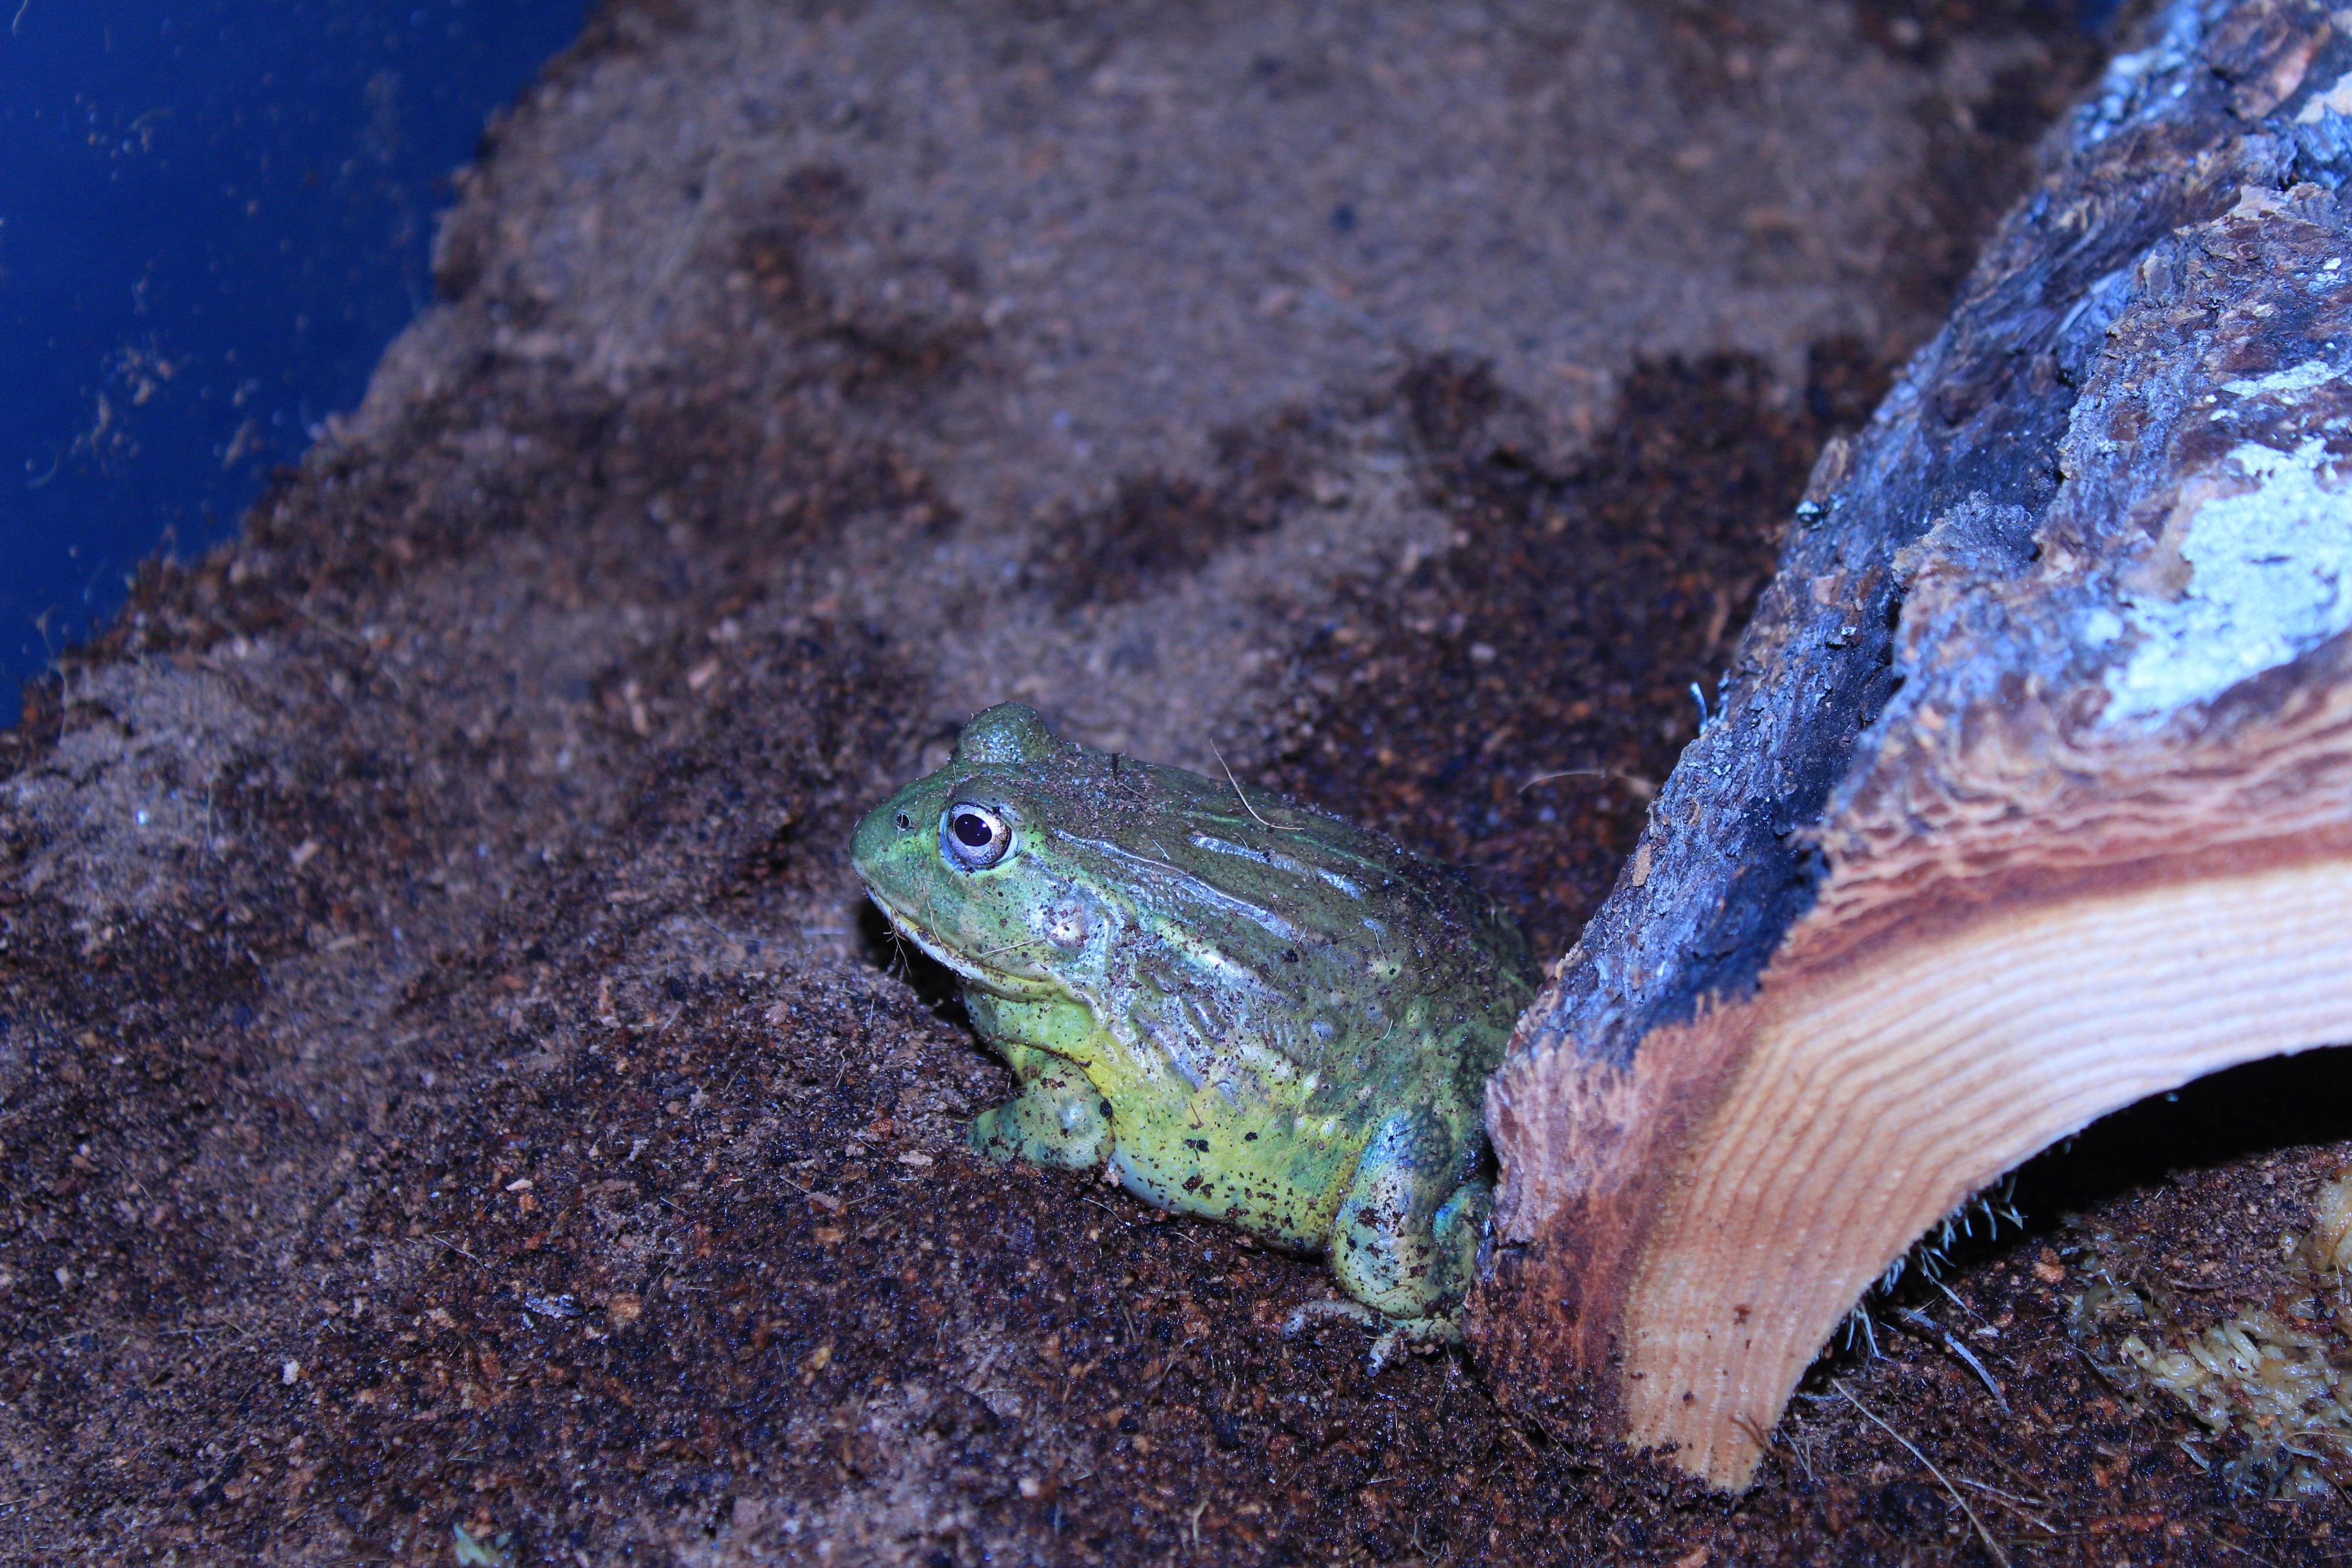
(961, 862)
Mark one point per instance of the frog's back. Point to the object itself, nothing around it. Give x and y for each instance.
(1256, 918)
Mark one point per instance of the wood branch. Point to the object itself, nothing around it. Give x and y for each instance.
(2031, 792)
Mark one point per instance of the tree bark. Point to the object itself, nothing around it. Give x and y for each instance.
(2030, 790)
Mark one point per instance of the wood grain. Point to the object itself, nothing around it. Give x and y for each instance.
(2031, 790)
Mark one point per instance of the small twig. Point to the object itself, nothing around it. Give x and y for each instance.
(839, 1206)
(461, 1251)
(1954, 1297)
(1918, 1319)
(2106, 1374)
(1245, 799)
(1954, 1492)
(1763, 1440)
(2016, 1504)
(1640, 789)
(2011, 1496)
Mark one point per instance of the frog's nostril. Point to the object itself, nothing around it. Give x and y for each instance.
(904, 821)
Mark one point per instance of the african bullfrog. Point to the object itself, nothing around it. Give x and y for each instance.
(1243, 1007)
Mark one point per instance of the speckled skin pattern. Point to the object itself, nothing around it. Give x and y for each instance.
(1247, 1008)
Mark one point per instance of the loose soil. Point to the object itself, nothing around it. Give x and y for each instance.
(453, 1103)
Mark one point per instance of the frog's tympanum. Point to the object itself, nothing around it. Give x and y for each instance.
(1247, 1008)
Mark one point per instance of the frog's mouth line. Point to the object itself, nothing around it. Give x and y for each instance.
(1013, 987)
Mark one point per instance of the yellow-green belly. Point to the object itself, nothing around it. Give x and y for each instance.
(1275, 1170)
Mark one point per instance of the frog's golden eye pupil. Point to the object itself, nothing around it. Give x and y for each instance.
(973, 828)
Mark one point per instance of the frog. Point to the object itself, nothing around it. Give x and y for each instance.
(1228, 1002)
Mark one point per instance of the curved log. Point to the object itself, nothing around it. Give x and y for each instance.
(2030, 790)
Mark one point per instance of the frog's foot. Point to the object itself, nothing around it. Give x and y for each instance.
(1025, 1129)
(1048, 1124)
(1405, 1241)
(1412, 1333)
(1330, 1307)
(1396, 1335)
(1057, 1119)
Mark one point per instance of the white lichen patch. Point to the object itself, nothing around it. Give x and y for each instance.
(2282, 383)
(2268, 553)
(2337, 98)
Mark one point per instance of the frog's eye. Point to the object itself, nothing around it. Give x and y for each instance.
(974, 837)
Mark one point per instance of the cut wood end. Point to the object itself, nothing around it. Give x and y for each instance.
(2025, 805)
(1856, 1101)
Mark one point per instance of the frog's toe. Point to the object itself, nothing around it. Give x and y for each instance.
(1330, 1307)
(1412, 1332)
(992, 1133)
(1047, 1125)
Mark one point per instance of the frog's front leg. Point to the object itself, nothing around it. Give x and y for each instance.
(1057, 1118)
(1405, 1241)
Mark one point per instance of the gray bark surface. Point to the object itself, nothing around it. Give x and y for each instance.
(1971, 437)
(2096, 529)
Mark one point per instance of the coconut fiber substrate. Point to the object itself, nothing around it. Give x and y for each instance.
(455, 1107)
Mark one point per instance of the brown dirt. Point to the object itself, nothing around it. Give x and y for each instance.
(446, 1076)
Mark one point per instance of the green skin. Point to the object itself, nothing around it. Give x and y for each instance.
(1247, 1008)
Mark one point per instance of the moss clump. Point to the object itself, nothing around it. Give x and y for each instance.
(2274, 1376)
